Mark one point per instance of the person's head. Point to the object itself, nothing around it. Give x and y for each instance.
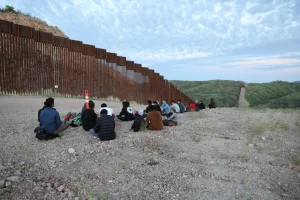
(152, 108)
(173, 101)
(200, 101)
(179, 100)
(125, 104)
(49, 102)
(211, 99)
(164, 102)
(103, 112)
(91, 104)
(149, 102)
(155, 102)
(103, 105)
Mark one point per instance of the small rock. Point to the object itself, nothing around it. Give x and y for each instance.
(13, 178)
(110, 181)
(8, 184)
(76, 198)
(70, 194)
(71, 150)
(22, 163)
(49, 185)
(263, 138)
(18, 173)
(61, 188)
(2, 184)
(250, 145)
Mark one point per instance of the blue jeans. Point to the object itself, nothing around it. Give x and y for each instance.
(94, 134)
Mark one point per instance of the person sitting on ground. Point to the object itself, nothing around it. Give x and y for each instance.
(126, 113)
(104, 128)
(154, 120)
(50, 119)
(172, 119)
(89, 117)
(166, 108)
(190, 107)
(156, 106)
(175, 106)
(181, 106)
(138, 121)
(212, 104)
(148, 107)
(109, 110)
(201, 105)
(39, 112)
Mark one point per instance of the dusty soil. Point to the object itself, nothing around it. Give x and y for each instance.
(223, 153)
(37, 24)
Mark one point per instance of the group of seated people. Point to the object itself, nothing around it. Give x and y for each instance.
(153, 117)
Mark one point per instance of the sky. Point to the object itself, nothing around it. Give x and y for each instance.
(252, 41)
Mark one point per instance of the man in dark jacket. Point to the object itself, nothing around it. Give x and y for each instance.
(148, 107)
(126, 113)
(89, 117)
(105, 127)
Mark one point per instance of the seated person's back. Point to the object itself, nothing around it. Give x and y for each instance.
(50, 119)
(89, 117)
(105, 127)
(154, 119)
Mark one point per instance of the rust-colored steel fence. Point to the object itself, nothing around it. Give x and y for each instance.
(38, 63)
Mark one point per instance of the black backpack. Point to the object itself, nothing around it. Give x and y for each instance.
(138, 122)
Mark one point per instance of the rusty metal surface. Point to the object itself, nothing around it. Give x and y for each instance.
(34, 63)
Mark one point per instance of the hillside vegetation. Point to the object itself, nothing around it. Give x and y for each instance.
(278, 94)
(223, 91)
(8, 13)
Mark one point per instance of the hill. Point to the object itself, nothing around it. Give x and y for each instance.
(223, 91)
(10, 14)
(278, 94)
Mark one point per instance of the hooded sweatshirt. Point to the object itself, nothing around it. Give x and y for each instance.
(126, 113)
(166, 107)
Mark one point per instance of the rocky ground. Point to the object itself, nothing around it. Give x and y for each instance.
(224, 153)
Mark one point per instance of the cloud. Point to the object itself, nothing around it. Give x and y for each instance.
(263, 62)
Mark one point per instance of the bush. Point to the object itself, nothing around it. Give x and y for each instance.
(9, 9)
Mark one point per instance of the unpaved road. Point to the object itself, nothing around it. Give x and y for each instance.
(223, 153)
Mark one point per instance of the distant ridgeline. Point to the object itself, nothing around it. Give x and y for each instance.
(278, 94)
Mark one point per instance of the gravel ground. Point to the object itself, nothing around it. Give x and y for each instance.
(224, 153)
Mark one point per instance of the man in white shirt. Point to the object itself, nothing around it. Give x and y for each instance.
(109, 110)
(175, 107)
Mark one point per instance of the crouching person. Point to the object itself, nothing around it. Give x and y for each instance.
(172, 119)
(50, 121)
(105, 127)
(139, 121)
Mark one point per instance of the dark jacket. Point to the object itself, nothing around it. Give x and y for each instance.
(88, 118)
(181, 107)
(105, 126)
(124, 114)
(50, 120)
(157, 107)
(201, 106)
(39, 113)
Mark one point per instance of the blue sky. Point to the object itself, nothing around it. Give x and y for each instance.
(253, 41)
